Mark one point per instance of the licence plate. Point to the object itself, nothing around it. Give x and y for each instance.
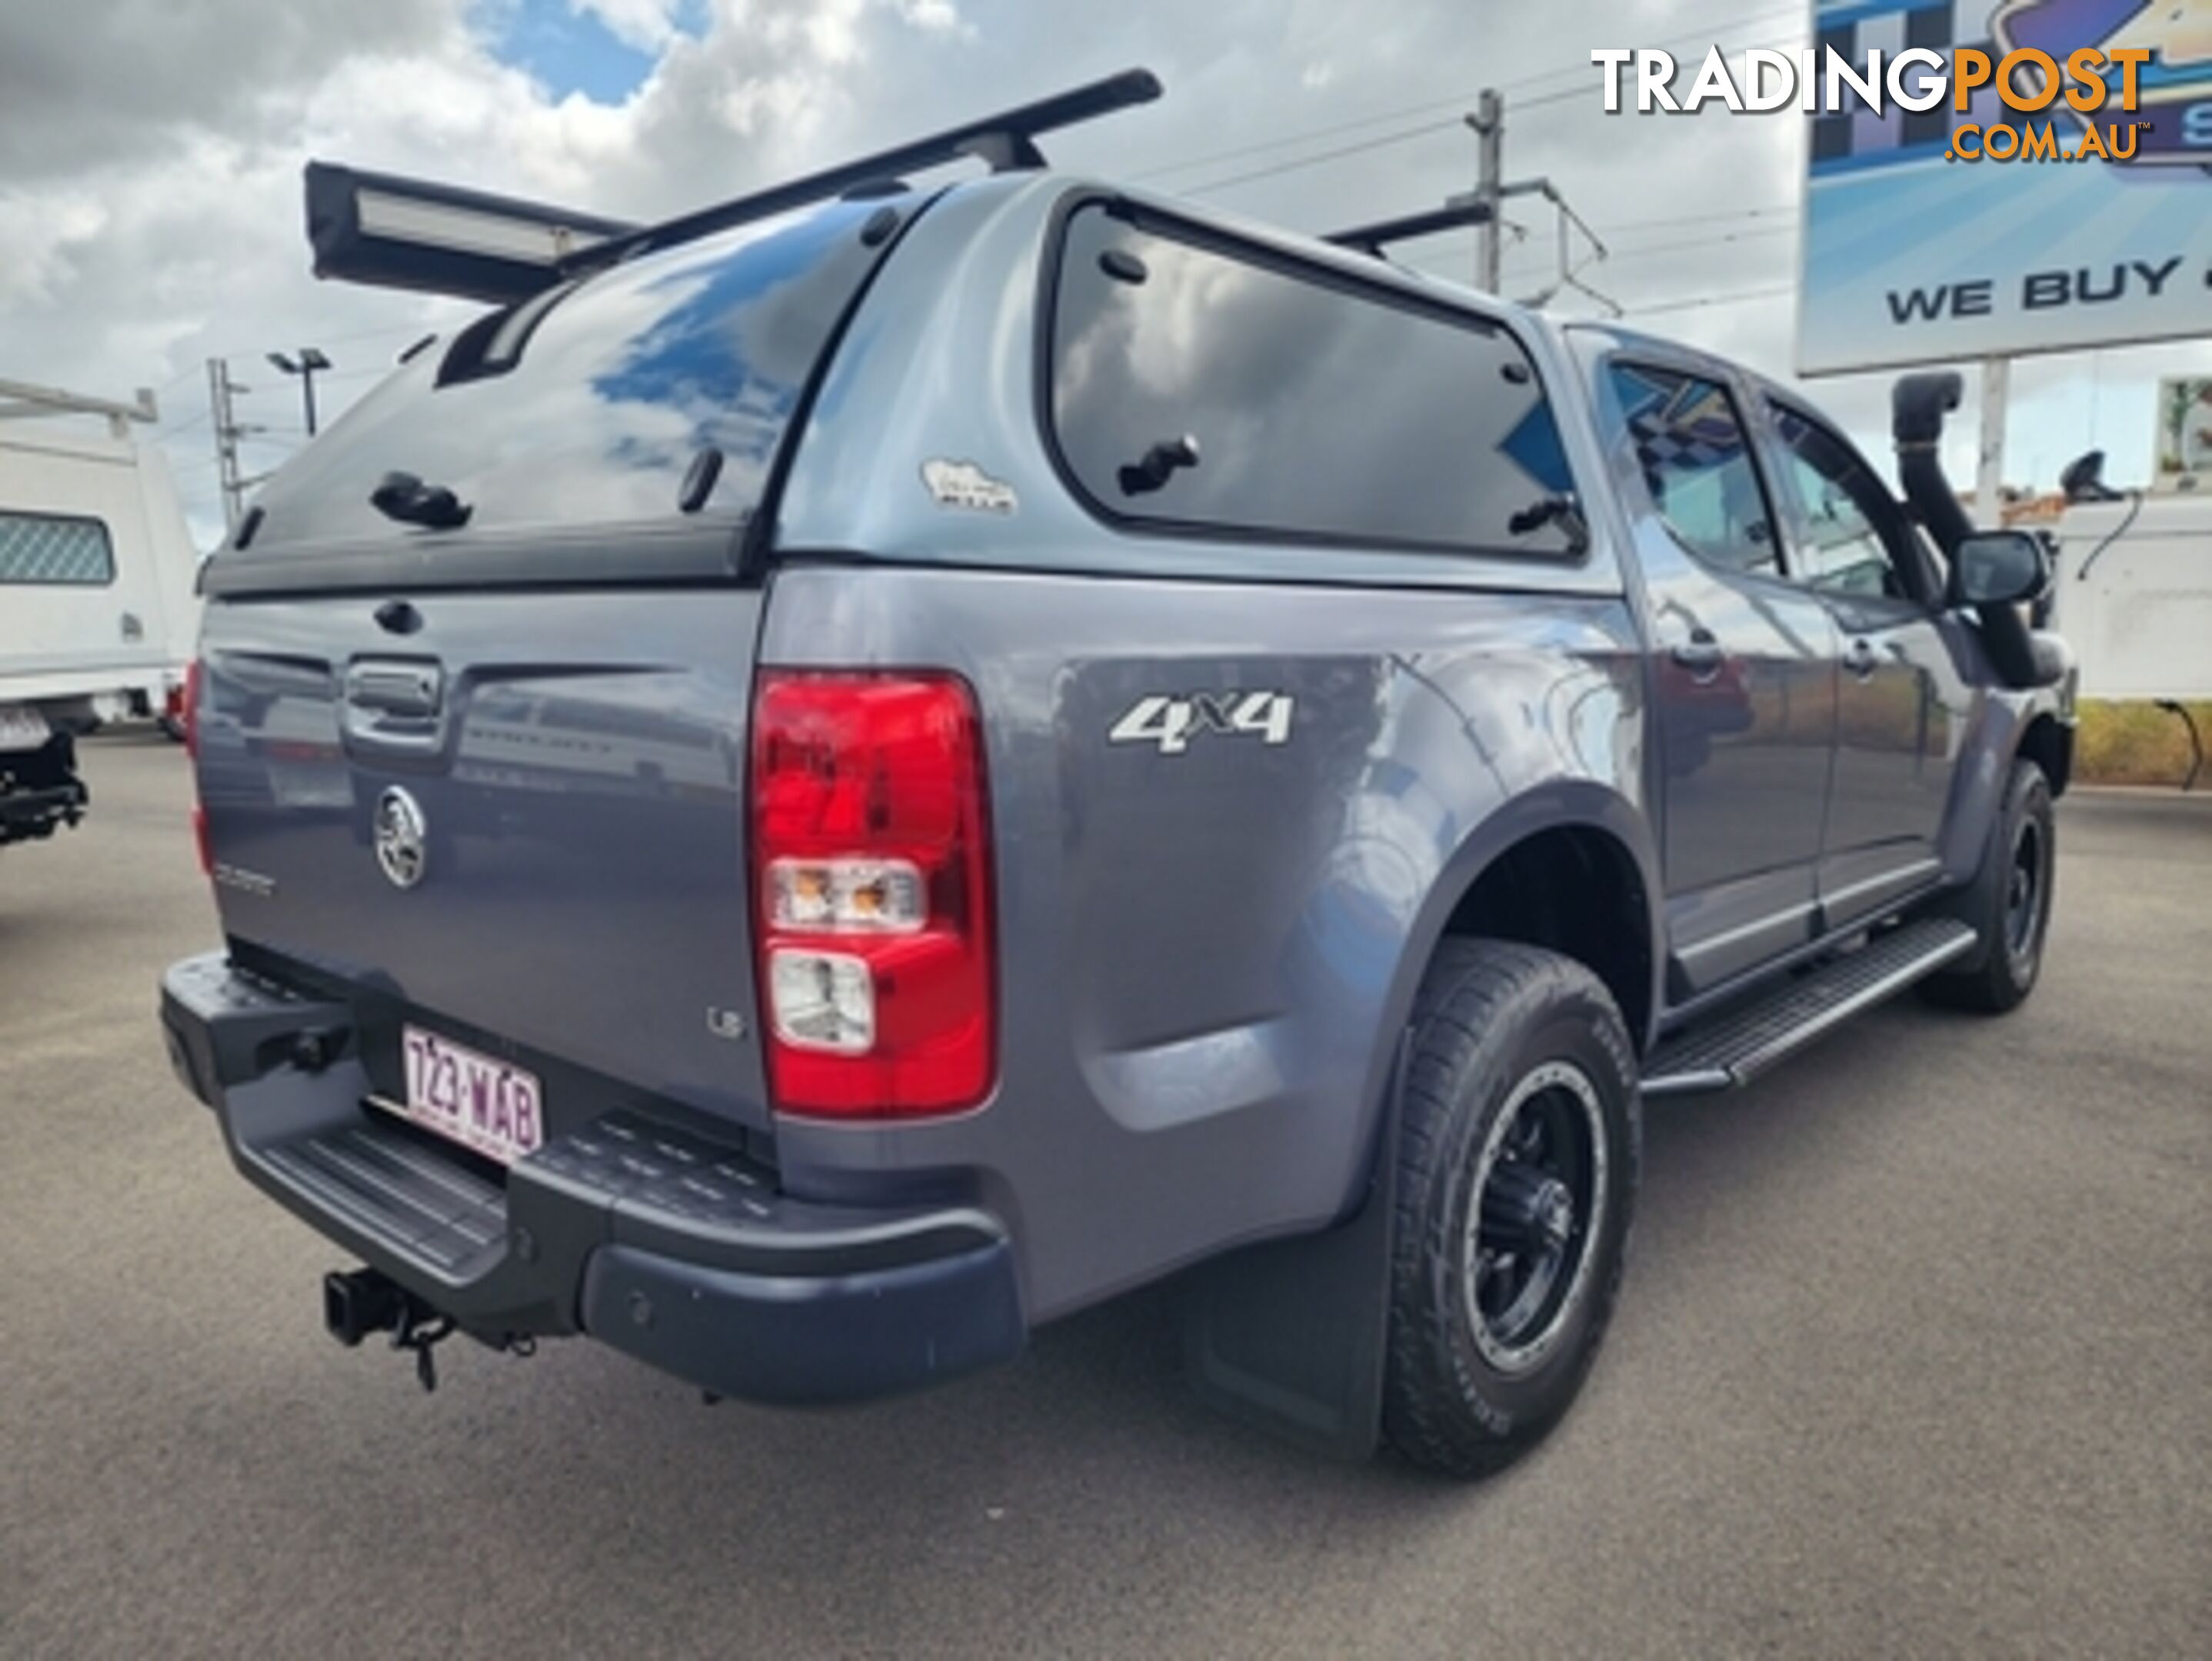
(21, 727)
(477, 1100)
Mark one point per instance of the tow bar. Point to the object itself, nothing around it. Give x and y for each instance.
(359, 1301)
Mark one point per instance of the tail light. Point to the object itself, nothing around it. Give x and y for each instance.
(193, 676)
(872, 885)
(189, 712)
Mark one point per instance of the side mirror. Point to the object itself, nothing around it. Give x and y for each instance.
(1999, 567)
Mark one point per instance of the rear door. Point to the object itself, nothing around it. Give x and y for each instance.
(1904, 705)
(478, 757)
(1744, 675)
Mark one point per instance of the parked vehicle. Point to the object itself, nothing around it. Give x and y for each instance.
(2132, 586)
(96, 609)
(914, 759)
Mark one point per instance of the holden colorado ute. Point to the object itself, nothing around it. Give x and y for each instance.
(835, 779)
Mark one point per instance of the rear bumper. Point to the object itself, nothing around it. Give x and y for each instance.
(640, 1231)
(39, 790)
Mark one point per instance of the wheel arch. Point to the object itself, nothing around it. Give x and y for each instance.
(2049, 743)
(1563, 826)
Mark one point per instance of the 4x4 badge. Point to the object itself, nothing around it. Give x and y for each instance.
(402, 844)
(1167, 724)
(963, 484)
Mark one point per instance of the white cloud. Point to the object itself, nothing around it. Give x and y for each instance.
(648, 25)
(150, 156)
(938, 16)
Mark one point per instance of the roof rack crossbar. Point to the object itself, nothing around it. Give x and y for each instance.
(1455, 215)
(19, 399)
(396, 233)
(1005, 142)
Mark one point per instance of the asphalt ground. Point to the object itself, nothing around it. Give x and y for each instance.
(1915, 1357)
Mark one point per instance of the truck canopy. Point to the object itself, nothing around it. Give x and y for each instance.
(633, 398)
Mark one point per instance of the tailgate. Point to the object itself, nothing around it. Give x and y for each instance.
(523, 828)
(484, 766)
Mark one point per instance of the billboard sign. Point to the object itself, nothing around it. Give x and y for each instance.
(1944, 233)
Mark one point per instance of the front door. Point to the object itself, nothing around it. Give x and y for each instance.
(1744, 685)
(1903, 706)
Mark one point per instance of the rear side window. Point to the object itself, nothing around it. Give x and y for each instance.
(1200, 385)
(1689, 448)
(51, 550)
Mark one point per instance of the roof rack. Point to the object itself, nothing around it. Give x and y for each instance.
(1455, 215)
(21, 399)
(398, 233)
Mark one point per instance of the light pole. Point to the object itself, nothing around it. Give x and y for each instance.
(310, 360)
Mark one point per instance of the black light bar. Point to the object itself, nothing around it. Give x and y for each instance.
(1374, 238)
(1005, 142)
(396, 232)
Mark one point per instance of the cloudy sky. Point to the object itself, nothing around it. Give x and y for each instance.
(151, 153)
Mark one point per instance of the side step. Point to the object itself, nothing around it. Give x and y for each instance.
(1737, 1046)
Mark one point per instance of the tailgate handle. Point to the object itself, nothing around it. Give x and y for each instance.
(403, 689)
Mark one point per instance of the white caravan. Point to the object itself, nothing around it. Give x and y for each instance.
(97, 614)
(2132, 588)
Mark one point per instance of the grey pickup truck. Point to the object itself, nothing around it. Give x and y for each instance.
(837, 778)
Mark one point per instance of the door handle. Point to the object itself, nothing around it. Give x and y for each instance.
(405, 689)
(1700, 654)
(394, 707)
(1860, 659)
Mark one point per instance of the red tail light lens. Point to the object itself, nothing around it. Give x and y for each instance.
(872, 894)
(191, 711)
(191, 715)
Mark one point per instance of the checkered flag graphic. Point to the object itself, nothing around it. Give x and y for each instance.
(1687, 429)
(1939, 28)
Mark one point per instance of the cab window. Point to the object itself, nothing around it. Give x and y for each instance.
(1689, 448)
(1844, 550)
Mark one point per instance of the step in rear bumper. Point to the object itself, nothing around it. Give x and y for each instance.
(639, 1231)
(25, 813)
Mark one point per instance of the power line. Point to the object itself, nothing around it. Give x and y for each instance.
(1456, 101)
(1776, 291)
(1209, 188)
(1674, 219)
(1614, 255)
(400, 335)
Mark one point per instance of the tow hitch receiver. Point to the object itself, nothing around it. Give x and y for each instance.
(359, 1301)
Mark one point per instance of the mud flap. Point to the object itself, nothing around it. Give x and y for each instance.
(1290, 1336)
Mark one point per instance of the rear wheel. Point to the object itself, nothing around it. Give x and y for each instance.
(1518, 1155)
(2008, 904)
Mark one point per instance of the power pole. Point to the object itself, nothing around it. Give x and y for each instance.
(1489, 124)
(221, 388)
(1989, 476)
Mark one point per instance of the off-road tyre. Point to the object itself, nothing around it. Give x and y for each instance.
(1500, 1028)
(2007, 903)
